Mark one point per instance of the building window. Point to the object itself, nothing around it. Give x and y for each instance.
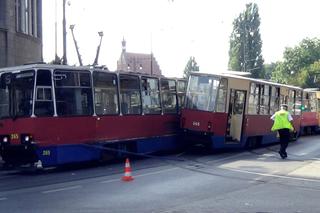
(27, 17)
(2, 14)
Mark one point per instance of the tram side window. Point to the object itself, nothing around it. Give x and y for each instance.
(23, 93)
(305, 102)
(253, 107)
(274, 99)
(150, 95)
(169, 96)
(291, 101)
(73, 93)
(4, 95)
(264, 99)
(222, 95)
(106, 93)
(130, 95)
(297, 106)
(181, 90)
(313, 102)
(44, 101)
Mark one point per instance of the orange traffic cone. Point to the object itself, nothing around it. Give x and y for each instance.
(127, 172)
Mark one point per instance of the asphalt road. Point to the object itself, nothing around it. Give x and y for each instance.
(193, 181)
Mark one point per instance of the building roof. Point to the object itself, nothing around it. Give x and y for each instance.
(138, 62)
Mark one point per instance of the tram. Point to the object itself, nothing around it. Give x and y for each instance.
(230, 111)
(57, 114)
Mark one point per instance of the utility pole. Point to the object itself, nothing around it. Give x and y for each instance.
(64, 34)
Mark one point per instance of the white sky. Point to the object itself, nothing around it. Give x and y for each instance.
(175, 30)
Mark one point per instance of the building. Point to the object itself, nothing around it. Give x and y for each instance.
(20, 32)
(137, 62)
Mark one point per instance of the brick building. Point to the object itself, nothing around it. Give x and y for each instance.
(20, 32)
(137, 62)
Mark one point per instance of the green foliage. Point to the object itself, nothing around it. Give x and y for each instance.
(301, 65)
(245, 52)
(267, 69)
(191, 66)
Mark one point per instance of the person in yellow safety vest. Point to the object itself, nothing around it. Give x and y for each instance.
(283, 124)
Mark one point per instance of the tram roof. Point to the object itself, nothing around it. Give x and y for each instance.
(45, 66)
(58, 66)
(246, 78)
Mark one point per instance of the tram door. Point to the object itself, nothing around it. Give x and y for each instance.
(236, 111)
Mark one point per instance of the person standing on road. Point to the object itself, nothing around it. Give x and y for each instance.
(282, 123)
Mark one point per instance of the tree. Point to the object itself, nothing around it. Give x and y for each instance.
(57, 60)
(191, 66)
(300, 66)
(268, 69)
(245, 52)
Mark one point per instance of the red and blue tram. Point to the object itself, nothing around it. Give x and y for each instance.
(56, 114)
(230, 111)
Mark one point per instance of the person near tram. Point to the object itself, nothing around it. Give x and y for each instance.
(283, 124)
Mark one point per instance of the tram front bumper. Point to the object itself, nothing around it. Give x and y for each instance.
(18, 154)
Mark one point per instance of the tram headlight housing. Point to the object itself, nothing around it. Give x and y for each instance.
(4, 139)
(26, 138)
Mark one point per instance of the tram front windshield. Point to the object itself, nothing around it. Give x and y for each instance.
(16, 94)
(202, 93)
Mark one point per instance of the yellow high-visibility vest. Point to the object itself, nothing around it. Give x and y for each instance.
(281, 121)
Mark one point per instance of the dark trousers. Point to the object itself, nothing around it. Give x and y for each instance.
(284, 140)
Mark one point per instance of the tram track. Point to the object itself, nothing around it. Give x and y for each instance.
(180, 160)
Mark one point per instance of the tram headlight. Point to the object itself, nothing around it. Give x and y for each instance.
(4, 139)
(26, 139)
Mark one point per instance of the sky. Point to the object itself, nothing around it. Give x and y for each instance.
(174, 30)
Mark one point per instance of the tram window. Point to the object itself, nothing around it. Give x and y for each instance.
(4, 95)
(264, 99)
(150, 96)
(253, 106)
(297, 106)
(181, 86)
(44, 102)
(202, 93)
(313, 103)
(23, 93)
(169, 96)
(274, 99)
(239, 101)
(106, 93)
(181, 90)
(222, 95)
(291, 101)
(73, 93)
(130, 95)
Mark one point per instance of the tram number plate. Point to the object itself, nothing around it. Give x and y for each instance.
(196, 123)
(46, 152)
(14, 136)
